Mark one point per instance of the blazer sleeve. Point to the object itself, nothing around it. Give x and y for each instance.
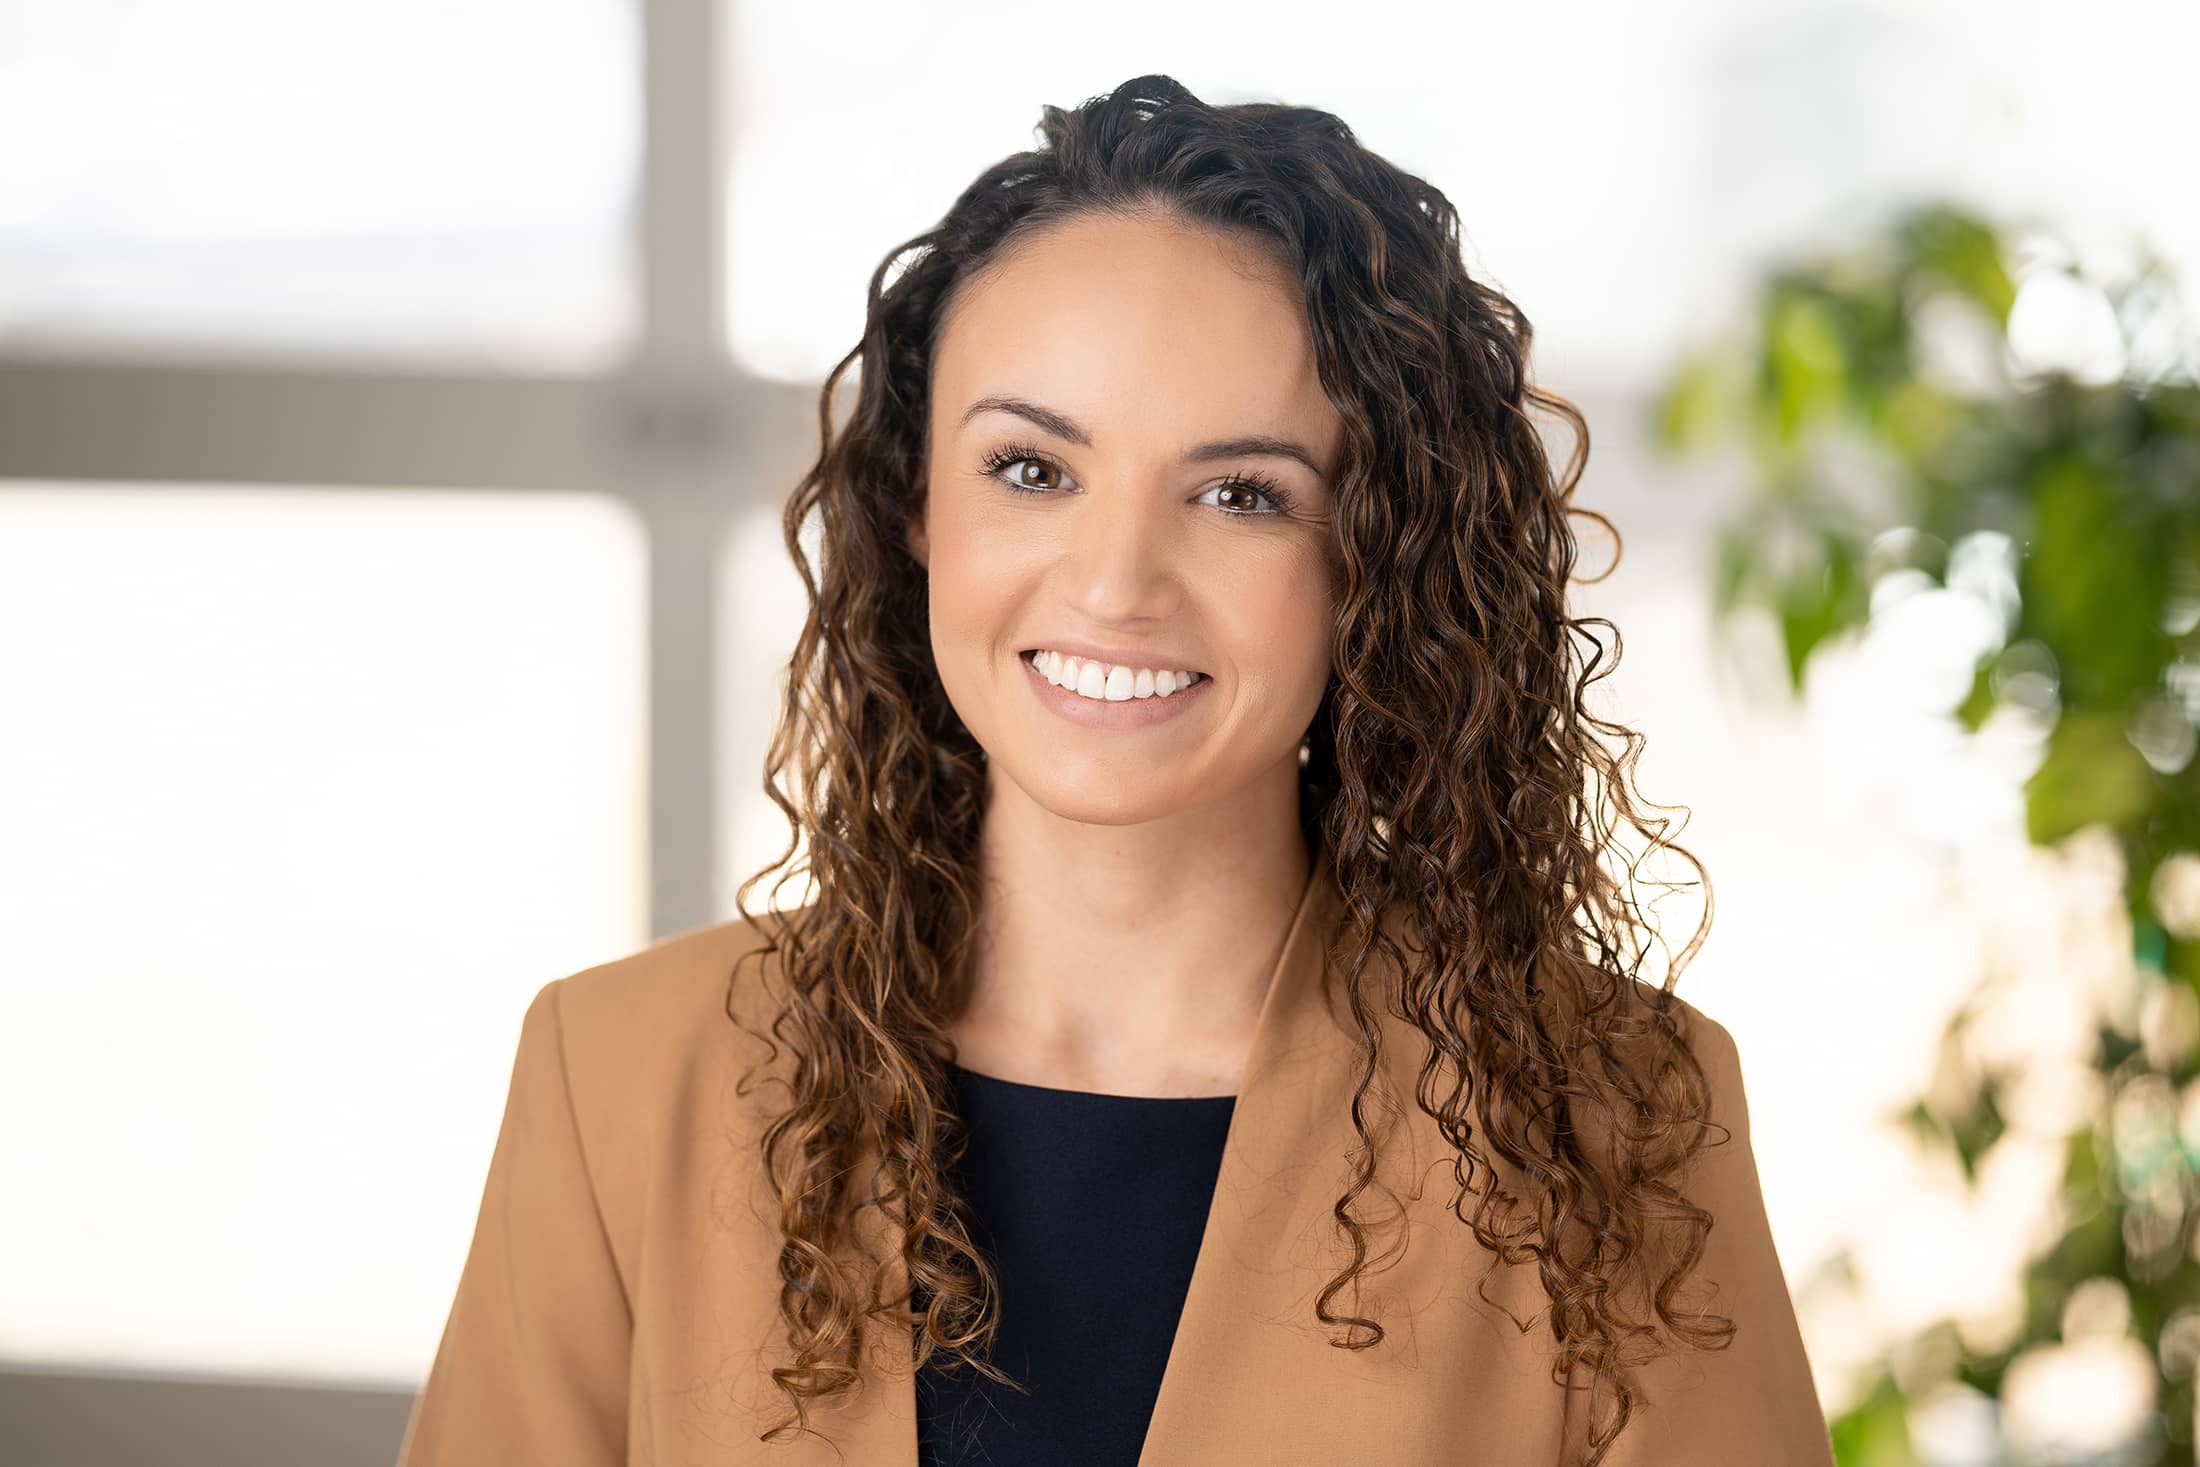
(532, 1364)
(1753, 1400)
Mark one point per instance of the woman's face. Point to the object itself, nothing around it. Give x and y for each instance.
(1130, 462)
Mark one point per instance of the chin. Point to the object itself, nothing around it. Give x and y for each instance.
(1097, 799)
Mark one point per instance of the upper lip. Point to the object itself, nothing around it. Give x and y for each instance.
(1120, 656)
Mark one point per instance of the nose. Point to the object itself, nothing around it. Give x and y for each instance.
(1119, 561)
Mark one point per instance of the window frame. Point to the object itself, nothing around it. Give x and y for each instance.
(673, 428)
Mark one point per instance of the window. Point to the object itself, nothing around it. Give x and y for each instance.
(285, 770)
(414, 178)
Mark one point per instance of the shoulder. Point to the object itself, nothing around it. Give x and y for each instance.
(1646, 1052)
(1633, 1039)
(653, 1049)
(1704, 1150)
(630, 1028)
(1716, 1055)
(1710, 1041)
(625, 1071)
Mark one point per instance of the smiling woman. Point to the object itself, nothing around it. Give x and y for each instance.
(1188, 740)
(1178, 519)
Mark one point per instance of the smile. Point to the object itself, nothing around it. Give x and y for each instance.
(1106, 682)
(1126, 697)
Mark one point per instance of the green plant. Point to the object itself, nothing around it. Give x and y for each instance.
(1897, 419)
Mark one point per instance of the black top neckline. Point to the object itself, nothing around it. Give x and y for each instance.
(1098, 1096)
(1092, 1208)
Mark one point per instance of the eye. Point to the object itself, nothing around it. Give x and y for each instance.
(1254, 484)
(1024, 461)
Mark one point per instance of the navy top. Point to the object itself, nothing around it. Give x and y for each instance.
(1091, 1207)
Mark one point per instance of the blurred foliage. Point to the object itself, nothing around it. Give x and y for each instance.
(1898, 435)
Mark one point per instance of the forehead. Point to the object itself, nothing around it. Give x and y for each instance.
(1139, 323)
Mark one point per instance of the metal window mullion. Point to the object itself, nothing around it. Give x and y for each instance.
(685, 398)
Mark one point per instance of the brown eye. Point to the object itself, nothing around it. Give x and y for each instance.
(1255, 489)
(1023, 471)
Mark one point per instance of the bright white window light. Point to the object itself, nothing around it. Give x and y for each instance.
(760, 609)
(412, 178)
(832, 165)
(306, 792)
(1621, 170)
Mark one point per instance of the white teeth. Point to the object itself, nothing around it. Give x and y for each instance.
(1109, 684)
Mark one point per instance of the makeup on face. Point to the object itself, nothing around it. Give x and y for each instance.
(1128, 517)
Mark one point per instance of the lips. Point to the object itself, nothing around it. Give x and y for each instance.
(1130, 657)
(1115, 713)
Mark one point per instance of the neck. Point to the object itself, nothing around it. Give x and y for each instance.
(1130, 958)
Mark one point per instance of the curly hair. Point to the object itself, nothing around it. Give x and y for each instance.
(1455, 785)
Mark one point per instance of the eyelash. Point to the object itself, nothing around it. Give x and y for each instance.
(1260, 483)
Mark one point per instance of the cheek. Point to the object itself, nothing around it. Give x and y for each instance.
(1279, 608)
(975, 566)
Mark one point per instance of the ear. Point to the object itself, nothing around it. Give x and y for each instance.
(913, 534)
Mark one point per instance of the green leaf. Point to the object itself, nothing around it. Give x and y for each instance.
(2094, 585)
(1821, 601)
(1875, 1432)
(2181, 960)
(1977, 1129)
(1694, 408)
(2091, 775)
(1807, 360)
(1960, 250)
(1918, 419)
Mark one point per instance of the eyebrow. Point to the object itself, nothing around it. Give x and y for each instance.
(1244, 445)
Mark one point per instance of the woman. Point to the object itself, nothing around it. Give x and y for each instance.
(1212, 1036)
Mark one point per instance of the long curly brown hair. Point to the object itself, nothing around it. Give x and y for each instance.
(1455, 785)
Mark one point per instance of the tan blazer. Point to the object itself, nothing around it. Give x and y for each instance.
(619, 1303)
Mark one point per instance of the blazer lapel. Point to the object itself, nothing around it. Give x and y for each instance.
(1253, 1375)
(1298, 1080)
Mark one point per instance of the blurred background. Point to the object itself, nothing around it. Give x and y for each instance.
(396, 402)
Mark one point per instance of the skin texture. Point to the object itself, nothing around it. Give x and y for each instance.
(1138, 882)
